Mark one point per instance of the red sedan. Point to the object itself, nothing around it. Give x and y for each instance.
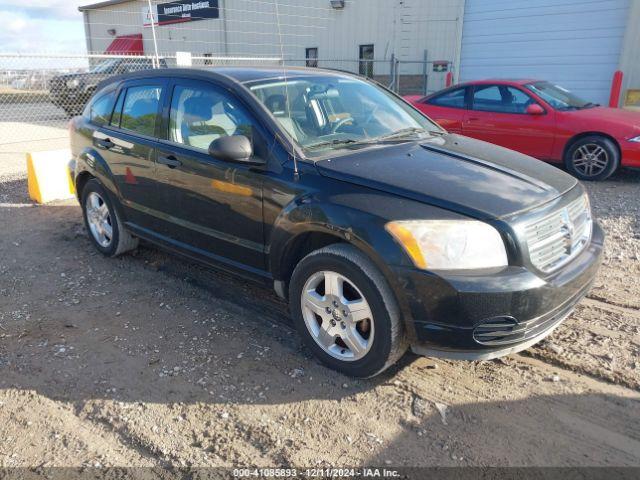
(540, 119)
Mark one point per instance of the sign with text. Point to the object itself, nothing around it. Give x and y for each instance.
(181, 11)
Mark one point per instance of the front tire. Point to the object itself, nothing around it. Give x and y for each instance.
(103, 222)
(592, 158)
(345, 311)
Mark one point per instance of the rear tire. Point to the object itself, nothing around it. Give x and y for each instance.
(104, 225)
(354, 326)
(592, 158)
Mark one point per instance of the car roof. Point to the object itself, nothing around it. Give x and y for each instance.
(502, 81)
(245, 74)
(252, 74)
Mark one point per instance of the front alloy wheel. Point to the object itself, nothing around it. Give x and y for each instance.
(338, 316)
(590, 159)
(594, 157)
(346, 312)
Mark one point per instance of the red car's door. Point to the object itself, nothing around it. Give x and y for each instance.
(499, 115)
(447, 109)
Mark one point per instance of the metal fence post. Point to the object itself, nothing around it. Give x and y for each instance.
(392, 73)
(153, 33)
(425, 74)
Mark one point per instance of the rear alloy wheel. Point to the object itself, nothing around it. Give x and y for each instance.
(345, 311)
(106, 230)
(99, 220)
(592, 158)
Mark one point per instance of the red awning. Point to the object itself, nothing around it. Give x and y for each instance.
(126, 45)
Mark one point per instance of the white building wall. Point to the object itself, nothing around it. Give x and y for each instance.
(401, 27)
(575, 44)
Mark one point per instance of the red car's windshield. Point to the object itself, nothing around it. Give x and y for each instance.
(558, 97)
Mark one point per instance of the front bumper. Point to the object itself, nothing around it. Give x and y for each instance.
(630, 154)
(495, 313)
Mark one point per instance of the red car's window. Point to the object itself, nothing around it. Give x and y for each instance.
(452, 99)
(501, 99)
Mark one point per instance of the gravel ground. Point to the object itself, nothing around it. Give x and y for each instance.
(148, 360)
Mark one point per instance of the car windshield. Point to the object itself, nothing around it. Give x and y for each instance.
(558, 97)
(329, 112)
(105, 67)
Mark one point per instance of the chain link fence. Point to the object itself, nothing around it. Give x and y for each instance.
(39, 93)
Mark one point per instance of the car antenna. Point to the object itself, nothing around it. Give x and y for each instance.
(296, 173)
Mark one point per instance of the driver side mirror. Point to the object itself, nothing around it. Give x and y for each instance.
(234, 148)
(534, 109)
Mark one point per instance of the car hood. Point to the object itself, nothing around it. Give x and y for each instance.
(613, 116)
(457, 173)
(94, 77)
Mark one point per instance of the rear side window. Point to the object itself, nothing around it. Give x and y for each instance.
(140, 110)
(117, 112)
(452, 99)
(99, 111)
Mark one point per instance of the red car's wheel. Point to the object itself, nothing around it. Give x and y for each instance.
(592, 158)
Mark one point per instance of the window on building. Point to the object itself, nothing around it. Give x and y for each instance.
(501, 99)
(312, 57)
(365, 66)
(451, 99)
(200, 115)
(140, 110)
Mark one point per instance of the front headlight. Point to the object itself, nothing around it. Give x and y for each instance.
(73, 83)
(635, 139)
(450, 244)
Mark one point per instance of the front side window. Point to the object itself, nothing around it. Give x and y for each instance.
(330, 112)
(201, 114)
(108, 66)
(99, 111)
(500, 99)
(140, 110)
(451, 99)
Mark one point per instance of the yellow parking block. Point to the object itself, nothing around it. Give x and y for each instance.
(48, 176)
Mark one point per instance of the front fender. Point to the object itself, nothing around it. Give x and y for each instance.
(348, 223)
(356, 215)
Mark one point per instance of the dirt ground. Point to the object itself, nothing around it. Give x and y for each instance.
(148, 360)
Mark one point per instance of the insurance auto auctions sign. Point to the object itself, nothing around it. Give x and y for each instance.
(180, 11)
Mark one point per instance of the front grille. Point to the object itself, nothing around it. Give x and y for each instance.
(558, 237)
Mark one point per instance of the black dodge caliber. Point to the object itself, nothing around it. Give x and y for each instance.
(382, 230)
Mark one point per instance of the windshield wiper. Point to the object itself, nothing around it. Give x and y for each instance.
(332, 143)
(405, 132)
(590, 105)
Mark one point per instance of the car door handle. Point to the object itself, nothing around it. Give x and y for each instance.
(105, 143)
(170, 161)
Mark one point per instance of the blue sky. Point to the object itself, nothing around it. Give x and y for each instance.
(42, 26)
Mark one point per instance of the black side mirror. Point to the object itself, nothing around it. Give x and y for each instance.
(234, 148)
